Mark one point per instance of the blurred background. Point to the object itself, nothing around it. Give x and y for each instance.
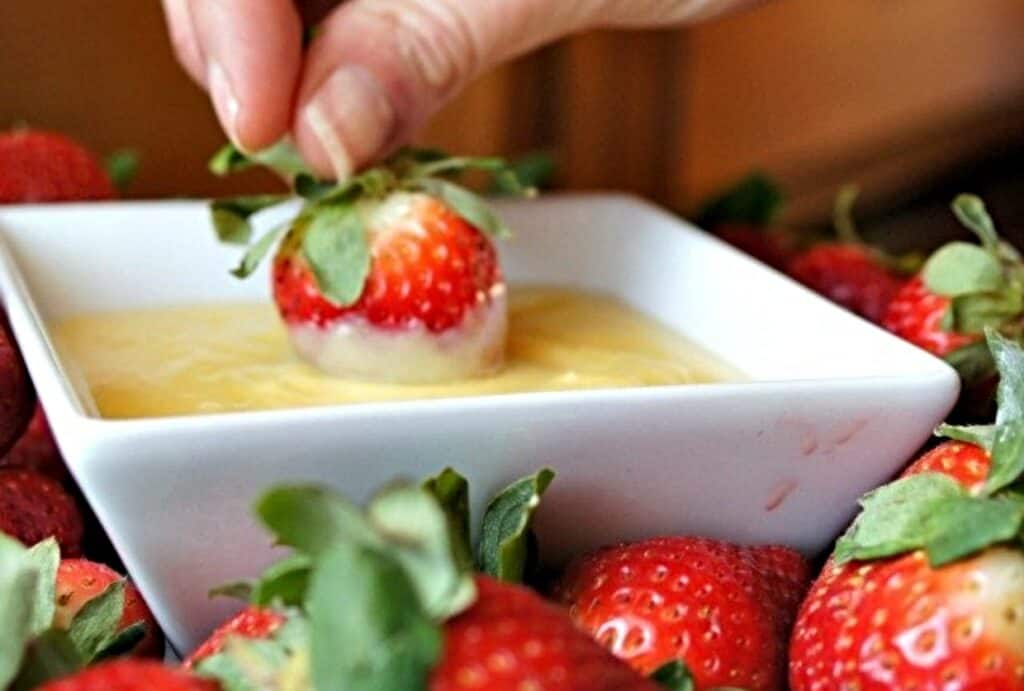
(911, 98)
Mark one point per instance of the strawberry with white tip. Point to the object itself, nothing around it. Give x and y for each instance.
(388, 276)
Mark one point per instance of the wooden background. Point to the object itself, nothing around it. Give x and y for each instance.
(888, 92)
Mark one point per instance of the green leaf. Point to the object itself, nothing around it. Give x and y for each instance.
(505, 534)
(52, 655)
(975, 313)
(44, 558)
(842, 214)
(121, 642)
(451, 491)
(283, 583)
(1007, 456)
(1009, 362)
(98, 620)
(960, 268)
(312, 519)
(534, 171)
(122, 166)
(338, 252)
(368, 630)
(675, 676)
(19, 588)
(470, 206)
(255, 254)
(230, 216)
(755, 200)
(416, 529)
(893, 517)
(981, 435)
(237, 590)
(966, 525)
(279, 662)
(282, 158)
(970, 210)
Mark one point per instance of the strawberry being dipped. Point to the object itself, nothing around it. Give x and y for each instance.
(926, 589)
(38, 166)
(723, 609)
(962, 290)
(744, 216)
(389, 276)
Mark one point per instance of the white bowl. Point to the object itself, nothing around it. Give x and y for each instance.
(834, 405)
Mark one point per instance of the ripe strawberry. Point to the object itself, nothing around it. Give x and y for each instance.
(34, 507)
(38, 166)
(81, 580)
(912, 599)
(390, 275)
(251, 622)
(428, 267)
(849, 275)
(917, 315)
(723, 609)
(127, 674)
(37, 450)
(16, 393)
(511, 640)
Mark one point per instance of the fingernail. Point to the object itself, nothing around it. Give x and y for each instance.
(224, 100)
(351, 117)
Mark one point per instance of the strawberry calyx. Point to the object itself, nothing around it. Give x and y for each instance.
(35, 649)
(333, 235)
(676, 676)
(383, 578)
(847, 233)
(755, 201)
(933, 512)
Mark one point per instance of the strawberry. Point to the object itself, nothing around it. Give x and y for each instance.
(511, 639)
(390, 275)
(39, 166)
(962, 290)
(251, 622)
(37, 450)
(16, 393)
(744, 216)
(850, 273)
(79, 581)
(126, 674)
(723, 609)
(926, 589)
(34, 507)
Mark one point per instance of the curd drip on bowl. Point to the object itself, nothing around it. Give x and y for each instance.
(236, 357)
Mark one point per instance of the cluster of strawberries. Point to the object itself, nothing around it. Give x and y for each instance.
(924, 591)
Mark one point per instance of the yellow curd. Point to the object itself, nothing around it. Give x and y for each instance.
(236, 357)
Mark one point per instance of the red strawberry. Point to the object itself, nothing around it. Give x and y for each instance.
(81, 580)
(16, 393)
(723, 609)
(251, 622)
(37, 450)
(38, 166)
(849, 275)
(34, 507)
(127, 674)
(916, 315)
(391, 275)
(512, 640)
(926, 589)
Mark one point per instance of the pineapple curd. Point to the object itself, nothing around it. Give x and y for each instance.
(236, 357)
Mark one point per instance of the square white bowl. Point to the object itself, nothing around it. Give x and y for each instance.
(834, 406)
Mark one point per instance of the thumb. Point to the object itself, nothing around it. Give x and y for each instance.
(379, 68)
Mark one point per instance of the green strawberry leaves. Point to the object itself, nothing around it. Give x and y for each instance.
(676, 676)
(336, 248)
(931, 512)
(331, 227)
(21, 582)
(961, 268)
(364, 597)
(755, 200)
(122, 166)
(970, 211)
(505, 540)
(451, 491)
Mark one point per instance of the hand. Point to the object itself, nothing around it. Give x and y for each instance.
(377, 68)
